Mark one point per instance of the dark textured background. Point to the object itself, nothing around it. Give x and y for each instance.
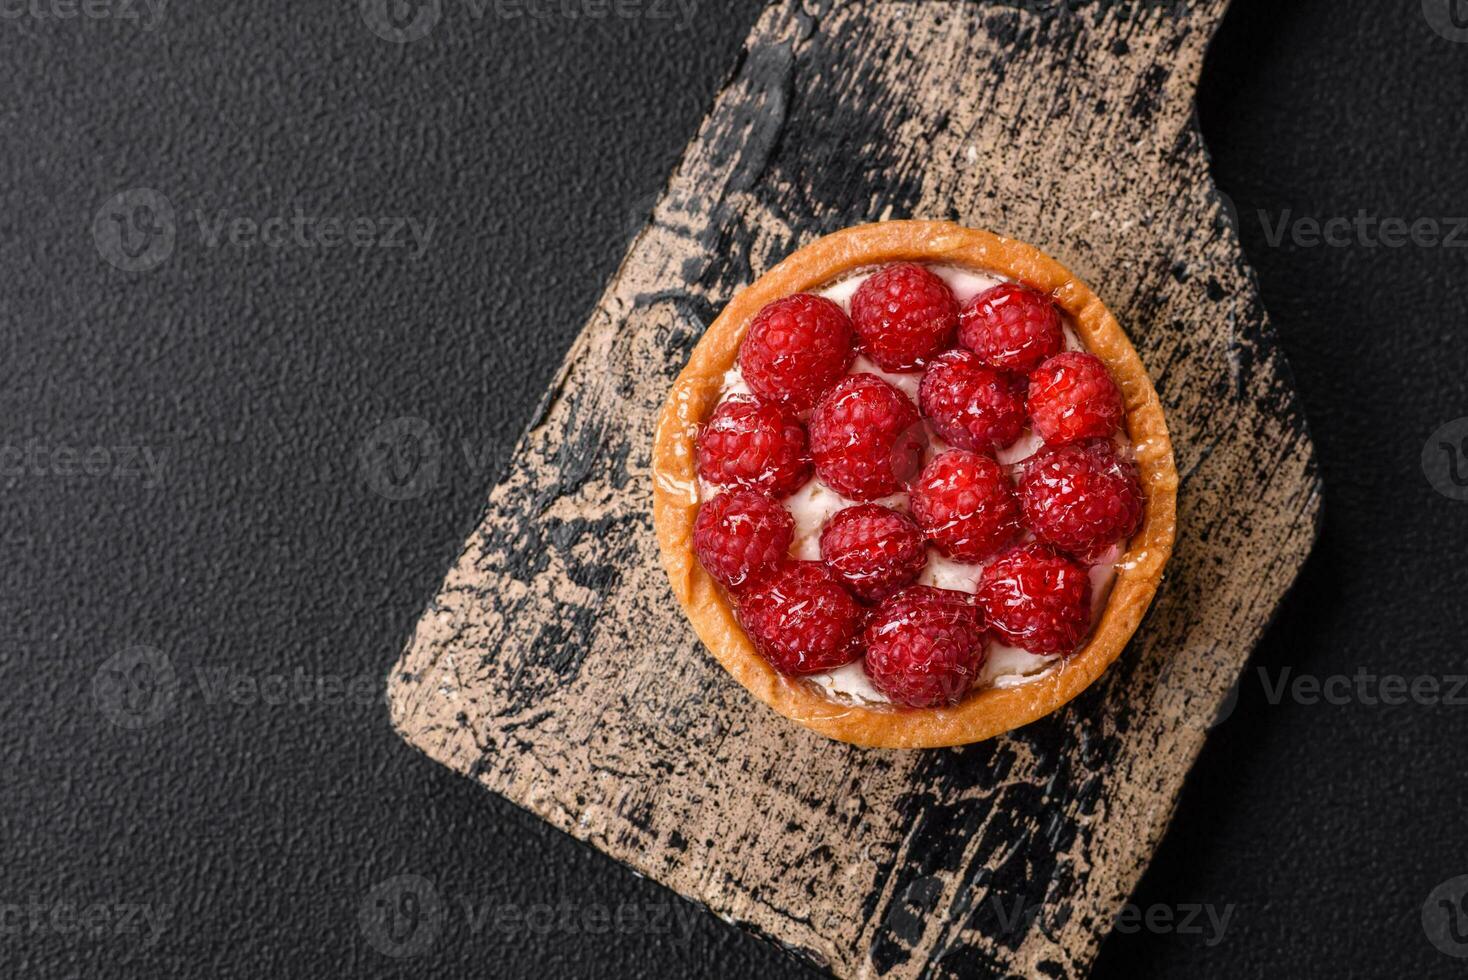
(537, 145)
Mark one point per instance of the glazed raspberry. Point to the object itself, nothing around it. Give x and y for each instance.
(1072, 397)
(866, 437)
(748, 443)
(972, 406)
(801, 620)
(1082, 497)
(1011, 327)
(963, 502)
(903, 315)
(873, 550)
(1036, 599)
(925, 646)
(741, 534)
(795, 349)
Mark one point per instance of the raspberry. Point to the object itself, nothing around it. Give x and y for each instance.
(866, 437)
(903, 315)
(925, 646)
(748, 443)
(740, 534)
(972, 406)
(1082, 497)
(795, 349)
(801, 620)
(963, 502)
(873, 550)
(1072, 397)
(1011, 326)
(1036, 599)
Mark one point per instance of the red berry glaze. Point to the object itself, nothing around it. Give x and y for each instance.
(1082, 497)
(972, 406)
(1036, 599)
(801, 620)
(741, 534)
(873, 550)
(795, 349)
(749, 443)
(925, 646)
(866, 438)
(1011, 326)
(1072, 397)
(903, 315)
(963, 502)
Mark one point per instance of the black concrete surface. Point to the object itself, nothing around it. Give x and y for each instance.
(182, 488)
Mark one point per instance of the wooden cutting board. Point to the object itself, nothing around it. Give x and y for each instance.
(554, 666)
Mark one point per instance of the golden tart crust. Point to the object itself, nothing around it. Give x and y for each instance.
(983, 713)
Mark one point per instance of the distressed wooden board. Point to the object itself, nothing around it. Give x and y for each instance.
(554, 666)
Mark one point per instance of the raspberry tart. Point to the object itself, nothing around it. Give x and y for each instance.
(914, 487)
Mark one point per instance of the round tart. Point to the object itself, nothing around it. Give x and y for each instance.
(914, 487)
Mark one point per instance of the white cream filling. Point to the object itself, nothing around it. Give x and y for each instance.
(813, 504)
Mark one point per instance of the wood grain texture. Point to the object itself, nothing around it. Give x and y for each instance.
(554, 666)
